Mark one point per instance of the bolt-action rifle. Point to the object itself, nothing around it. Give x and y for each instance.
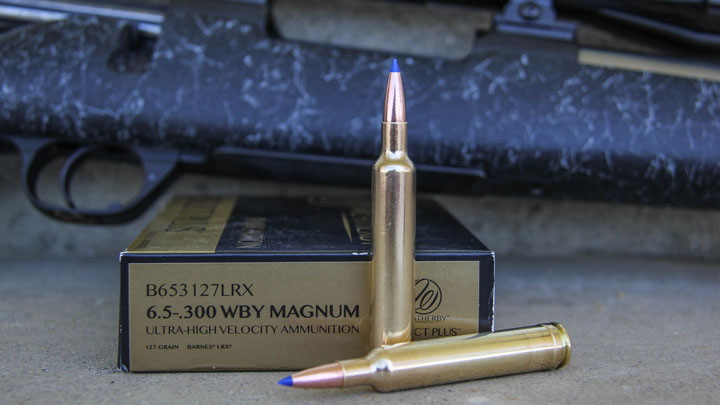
(531, 110)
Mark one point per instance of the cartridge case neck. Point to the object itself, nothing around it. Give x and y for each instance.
(394, 139)
(356, 372)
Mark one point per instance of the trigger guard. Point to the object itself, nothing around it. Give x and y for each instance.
(160, 167)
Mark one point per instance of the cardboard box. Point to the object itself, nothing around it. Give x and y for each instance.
(274, 283)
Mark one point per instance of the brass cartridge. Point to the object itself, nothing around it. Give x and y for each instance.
(393, 225)
(445, 360)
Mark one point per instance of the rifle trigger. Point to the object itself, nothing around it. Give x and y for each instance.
(69, 169)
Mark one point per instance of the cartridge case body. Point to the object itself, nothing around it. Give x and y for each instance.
(460, 358)
(393, 236)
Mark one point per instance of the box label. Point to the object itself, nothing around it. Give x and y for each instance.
(278, 315)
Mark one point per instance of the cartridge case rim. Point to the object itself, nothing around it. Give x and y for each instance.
(565, 340)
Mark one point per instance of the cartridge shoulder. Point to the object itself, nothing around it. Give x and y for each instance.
(386, 164)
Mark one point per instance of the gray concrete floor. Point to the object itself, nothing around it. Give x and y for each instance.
(642, 331)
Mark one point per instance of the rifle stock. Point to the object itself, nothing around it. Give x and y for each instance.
(217, 93)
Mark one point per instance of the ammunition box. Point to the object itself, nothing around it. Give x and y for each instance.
(280, 284)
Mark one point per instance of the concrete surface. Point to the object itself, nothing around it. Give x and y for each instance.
(642, 332)
(422, 29)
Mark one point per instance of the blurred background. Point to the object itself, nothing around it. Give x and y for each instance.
(449, 30)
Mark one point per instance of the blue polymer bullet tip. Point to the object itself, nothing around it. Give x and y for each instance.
(287, 381)
(395, 67)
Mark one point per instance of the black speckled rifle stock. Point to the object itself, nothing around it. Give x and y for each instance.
(516, 116)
